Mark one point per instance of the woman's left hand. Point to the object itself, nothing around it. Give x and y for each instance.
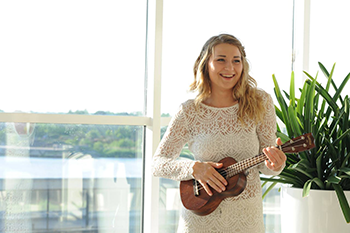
(276, 157)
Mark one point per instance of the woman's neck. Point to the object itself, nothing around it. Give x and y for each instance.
(220, 100)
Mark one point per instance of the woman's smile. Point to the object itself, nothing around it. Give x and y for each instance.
(227, 76)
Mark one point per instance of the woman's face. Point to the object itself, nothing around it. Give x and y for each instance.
(225, 67)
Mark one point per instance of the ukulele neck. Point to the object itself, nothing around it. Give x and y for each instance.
(296, 145)
(241, 166)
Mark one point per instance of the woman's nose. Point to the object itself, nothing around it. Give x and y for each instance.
(229, 66)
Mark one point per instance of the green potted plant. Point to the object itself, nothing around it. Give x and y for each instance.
(326, 116)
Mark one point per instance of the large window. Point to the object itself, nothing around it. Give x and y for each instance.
(68, 56)
(62, 169)
(81, 100)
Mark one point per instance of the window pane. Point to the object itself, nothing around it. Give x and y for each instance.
(61, 56)
(264, 28)
(329, 39)
(70, 178)
(169, 197)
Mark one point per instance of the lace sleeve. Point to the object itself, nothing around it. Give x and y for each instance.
(267, 132)
(165, 162)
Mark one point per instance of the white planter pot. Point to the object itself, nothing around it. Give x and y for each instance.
(320, 212)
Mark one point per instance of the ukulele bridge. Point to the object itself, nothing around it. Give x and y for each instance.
(195, 188)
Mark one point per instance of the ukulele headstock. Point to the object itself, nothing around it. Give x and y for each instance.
(299, 144)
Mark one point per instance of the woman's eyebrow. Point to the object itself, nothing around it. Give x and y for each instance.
(225, 56)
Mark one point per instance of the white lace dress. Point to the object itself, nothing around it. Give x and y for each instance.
(213, 134)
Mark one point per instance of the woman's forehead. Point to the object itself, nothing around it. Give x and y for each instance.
(226, 49)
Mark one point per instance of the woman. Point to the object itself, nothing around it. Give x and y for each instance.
(228, 117)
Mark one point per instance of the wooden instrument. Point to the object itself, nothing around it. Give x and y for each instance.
(196, 199)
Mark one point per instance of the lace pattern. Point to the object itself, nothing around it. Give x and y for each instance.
(213, 134)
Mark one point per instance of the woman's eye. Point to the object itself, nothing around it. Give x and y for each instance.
(237, 61)
(221, 59)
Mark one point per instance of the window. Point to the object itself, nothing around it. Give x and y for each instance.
(85, 57)
(267, 36)
(72, 111)
(328, 39)
(62, 169)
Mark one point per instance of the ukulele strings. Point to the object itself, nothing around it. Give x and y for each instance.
(224, 172)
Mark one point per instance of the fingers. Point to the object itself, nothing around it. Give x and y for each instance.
(206, 187)
(214, 185)
(208, 176)
(216, 165)
(279, 141)
(276, 157)
(219, 178)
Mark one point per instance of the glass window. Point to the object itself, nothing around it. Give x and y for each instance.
(85, 57)
(264, 28)
(70, 178)
(329, 41)
(169, 197)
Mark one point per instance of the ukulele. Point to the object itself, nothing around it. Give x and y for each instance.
(196, 199)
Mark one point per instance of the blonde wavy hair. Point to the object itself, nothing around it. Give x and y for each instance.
(245, 91)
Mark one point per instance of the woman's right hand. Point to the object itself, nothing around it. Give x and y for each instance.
(206, 174)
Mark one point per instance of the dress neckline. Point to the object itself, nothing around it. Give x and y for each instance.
(219, 108)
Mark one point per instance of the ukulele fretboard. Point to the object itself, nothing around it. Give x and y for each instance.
(245, 164)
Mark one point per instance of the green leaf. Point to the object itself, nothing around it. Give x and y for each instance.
(301, 170)
(294, 121)
(342, 136)
(307, 185)
(328, 75)
(264, 184)
(341, 87)
(283, 137)
(342, 201)
(310, 77)
(283, 181)
(346, 160)
(346, 113)
(301, 101)
(324, 70)
(269, 189)
(282, 104)
(279, 113)
(334, 180)
(319, 166)
(324, 93)
(345, 169)
(306, 188)
(309, 107)
(292, 90)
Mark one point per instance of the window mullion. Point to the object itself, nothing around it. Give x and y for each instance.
(154, 58)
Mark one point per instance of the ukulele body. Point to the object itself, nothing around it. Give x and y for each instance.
(203, 204)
